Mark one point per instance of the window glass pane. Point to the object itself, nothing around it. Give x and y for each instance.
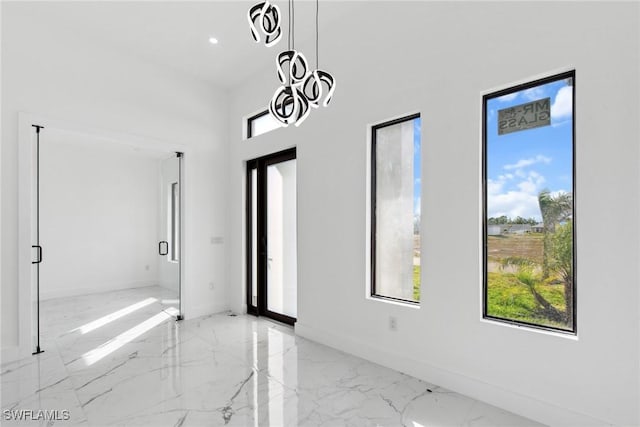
(396, 219)
(282, 272)
(254, 237)
(263, 124)
(529, 231)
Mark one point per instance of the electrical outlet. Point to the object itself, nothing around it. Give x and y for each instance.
(146, 267)
(393, 323)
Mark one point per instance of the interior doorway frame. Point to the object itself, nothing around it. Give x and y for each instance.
(26, 152)
(260, 165)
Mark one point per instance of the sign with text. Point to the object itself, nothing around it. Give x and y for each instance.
(524, 116)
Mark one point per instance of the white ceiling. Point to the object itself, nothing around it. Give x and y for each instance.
(176, 34)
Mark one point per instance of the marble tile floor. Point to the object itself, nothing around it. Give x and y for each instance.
(120, 359)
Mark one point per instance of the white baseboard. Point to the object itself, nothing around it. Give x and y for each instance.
(46, 294)
(205, 310)
(169, 288)
(526, 406)
(9, 354)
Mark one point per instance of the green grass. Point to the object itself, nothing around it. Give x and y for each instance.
(416, 282)
(509, 299)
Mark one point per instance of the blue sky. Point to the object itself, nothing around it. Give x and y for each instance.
(521, 164)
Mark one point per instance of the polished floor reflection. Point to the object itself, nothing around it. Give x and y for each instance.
(121, 359)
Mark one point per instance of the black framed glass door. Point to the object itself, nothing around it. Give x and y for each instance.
(272, 236)
(170, 234)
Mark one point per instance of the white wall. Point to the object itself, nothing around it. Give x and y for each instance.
(98, 218)
(54, 73)
(394, 58)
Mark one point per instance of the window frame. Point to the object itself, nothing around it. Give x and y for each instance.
(373, 209)
(260, 165)
(250, 121)
(485, 273)
(259, 115)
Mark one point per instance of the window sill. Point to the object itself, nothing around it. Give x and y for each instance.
(413, 305)
(541, 330)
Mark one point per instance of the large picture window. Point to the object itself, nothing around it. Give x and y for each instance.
(529, 193)
(395, 209)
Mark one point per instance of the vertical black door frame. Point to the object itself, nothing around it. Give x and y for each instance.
(180, 156)
(251, 166)
(164, 244)
(37, 246)
(260, 165)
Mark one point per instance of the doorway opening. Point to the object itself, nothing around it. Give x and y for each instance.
(272, 273)
(106, 238)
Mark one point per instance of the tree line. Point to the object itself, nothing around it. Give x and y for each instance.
(506, 220)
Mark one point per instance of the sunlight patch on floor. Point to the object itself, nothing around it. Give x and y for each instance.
(113, 316)
(112, 345)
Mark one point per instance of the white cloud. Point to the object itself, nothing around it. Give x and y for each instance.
(508, 97)
(534, 93)
(513, 204)
(523, 163)
(495, 187)
(528, 187)
(533, 175)
(532, 184)
(563, 103)
(505, 177)
(520, 200)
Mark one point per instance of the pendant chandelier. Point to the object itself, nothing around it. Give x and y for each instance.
(300, 87)
(267, 16)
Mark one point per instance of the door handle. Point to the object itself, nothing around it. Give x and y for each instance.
(39, 260)
(166, 248)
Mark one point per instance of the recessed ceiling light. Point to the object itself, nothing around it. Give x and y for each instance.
(213, 40)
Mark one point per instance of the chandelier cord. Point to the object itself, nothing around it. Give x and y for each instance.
(293, 24)
(289, 29)
(289, 37)
(317, 34)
